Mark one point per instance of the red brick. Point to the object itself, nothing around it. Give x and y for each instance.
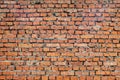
(59, 40)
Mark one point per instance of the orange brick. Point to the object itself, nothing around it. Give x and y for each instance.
(97, 78)
(67, 73)
(37, 45)
(45, 63)
(59, 77)
(53, 45)
(50, 18)
(29, 10)
(62, 68)
(52, 77)
(67, 54)
(77, 19)
(60, 63)
(64, 5)
(66, 45)
(89, 77)
(82, 77)
(5, 63)
(9, 36)
(76, 63)
(2, 77)
(46, 49)
(118, 45)
(110, 54)
(53, 54)
(11, 53)
(110, 63)
(87, 36)
(44, 77)
(59, 39)
(25, 45)
(61, 59)
(80, 45)
(95, 59)
(66, 78)
(100, 72)
(74, 78)
(114, 36)
(10, 45)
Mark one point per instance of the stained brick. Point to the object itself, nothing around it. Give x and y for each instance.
(25, 45)
(110, 63)
(67, 73)
(60, 63)
(80, 45)
(52, 45)
(87, 36)
(59, 39)
(53, 54)
(45, 63)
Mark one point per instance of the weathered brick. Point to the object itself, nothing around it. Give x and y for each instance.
(4, 10)
(49, 18)
(67, 73)
(6, 63)
(53, 45)
(11, 53)
(59, 39)
(110, 63)
(29, 10)
(67, 54)
(80, 45)
(81, 73)
(60, 63)
(25, 45)
(45, 63)
(53, 54)
(87, 36)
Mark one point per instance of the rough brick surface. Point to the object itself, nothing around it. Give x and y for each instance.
(59, 39)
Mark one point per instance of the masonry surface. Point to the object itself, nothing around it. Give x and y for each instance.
(59, 39)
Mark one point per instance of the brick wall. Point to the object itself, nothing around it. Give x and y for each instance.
(59, 39)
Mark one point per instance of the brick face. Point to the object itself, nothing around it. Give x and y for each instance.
(59, 39)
